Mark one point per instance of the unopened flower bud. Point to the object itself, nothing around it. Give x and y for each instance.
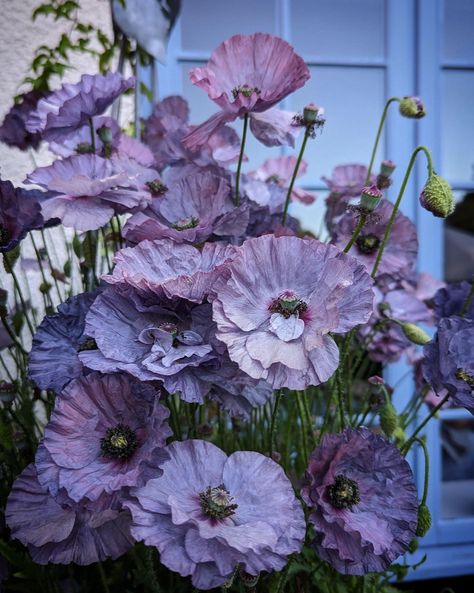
(310, 113)
(387, 168)
(388, 419)
(376, 380)
(10, 258)
(415, 334)
(413, 547)
(437, 196)
(105, 134)
(399, 436)
(424, 520)
(412, 107)
(370, 198)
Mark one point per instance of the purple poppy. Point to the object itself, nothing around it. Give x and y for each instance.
(54, 360)
(89, 190)
(189, 211)
(104, 434)
(171, 270)
(280, 171)
(63, 531)
(451, 299)
(282, 299)
(400, 250)
(209, 513)
(73, 105)
(275, 127)
(20, 213)
(152, 340)
(363, 500)
(246, 73)
(449, 366)
(13, 131)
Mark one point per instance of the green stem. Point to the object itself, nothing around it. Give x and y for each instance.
(106, 250)
(50, 263)
(293, 177)
(396, 206)
(241, 158)
(427, 469)
(434, 411)
(467, 302)
(357, 231)
(92, 131)
(103, 578)
(304, 429)
(271, 440)
(377, 137)
(13, 338)
(7, 370)
(22, 301)
(43, 276)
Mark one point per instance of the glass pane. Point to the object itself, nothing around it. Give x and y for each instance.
(457, 441)
(458, 41)
(205, 24)
(457, 124)
(338, 29)
(459, 239)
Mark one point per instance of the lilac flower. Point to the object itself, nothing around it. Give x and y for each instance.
(209, 513)
(72, 106)
(280, 170)
(363, 500)
(63, 531)
(448, 366)
(282, 299)
(246, 73)
(20, 213)
(13, 131)
(170, 270)
(152, 340)
(400, 250)
(105, 433)
(89, 190)
(189, 211)
(451, 299)
(275, 127)
(54, 360)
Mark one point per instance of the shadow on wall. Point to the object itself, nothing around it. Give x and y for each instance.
(459, 241)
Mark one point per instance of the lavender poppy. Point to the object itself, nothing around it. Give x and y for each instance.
(153, 341)
(246, 73)
(171, 270)
(54, 360)
(89, 190)
(400, 250)
(448, 366)
(73, 105)
(104, 434)
(452, 299)
(189, 211)
(275, 127)
(209, 513)
(63, 531)
(282, 299)
(13, 131)
(20, 213)
(363, 500)
(280, 170)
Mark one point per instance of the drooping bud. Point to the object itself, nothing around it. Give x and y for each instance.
(370, 198)
(412, 107)
(105, 134)
(424, 520)
(437, 196)
(388, 419)
(415, 334)
(387, 168)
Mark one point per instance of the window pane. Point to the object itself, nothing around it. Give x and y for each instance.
(458, 26)
(457, 441)
(339, 29)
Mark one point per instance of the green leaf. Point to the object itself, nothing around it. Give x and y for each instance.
(144, 90)
(43, 9)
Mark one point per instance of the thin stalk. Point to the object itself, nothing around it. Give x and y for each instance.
(119, 228)
(434, 411)
(307, 135)
(467, 302)
(47, 302)
(22, 300)
(379, 133)
(399, 199)
(12, 336)
(7, 370)
(304, 431)
(106, 250)
(50, 263)
(92, 131)
(273, 422)
(241, 157)
(427, 469)
(357, 231)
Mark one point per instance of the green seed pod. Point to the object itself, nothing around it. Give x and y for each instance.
(388, 419)
(45, 287)
(412, 107)
(424, 520)
(415, 334)
(437, 196)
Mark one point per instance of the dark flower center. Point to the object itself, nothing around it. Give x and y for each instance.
(84, 148)
(368, 244)
(186, 223)
(119, 442)
(344, 493)
(4, 236)
(172, 329)
(87, 344)
(245, 90)
(288, 304)
(217, 502)
(462, 375)
(156, 187)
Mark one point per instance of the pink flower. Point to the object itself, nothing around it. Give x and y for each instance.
(280, 171)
